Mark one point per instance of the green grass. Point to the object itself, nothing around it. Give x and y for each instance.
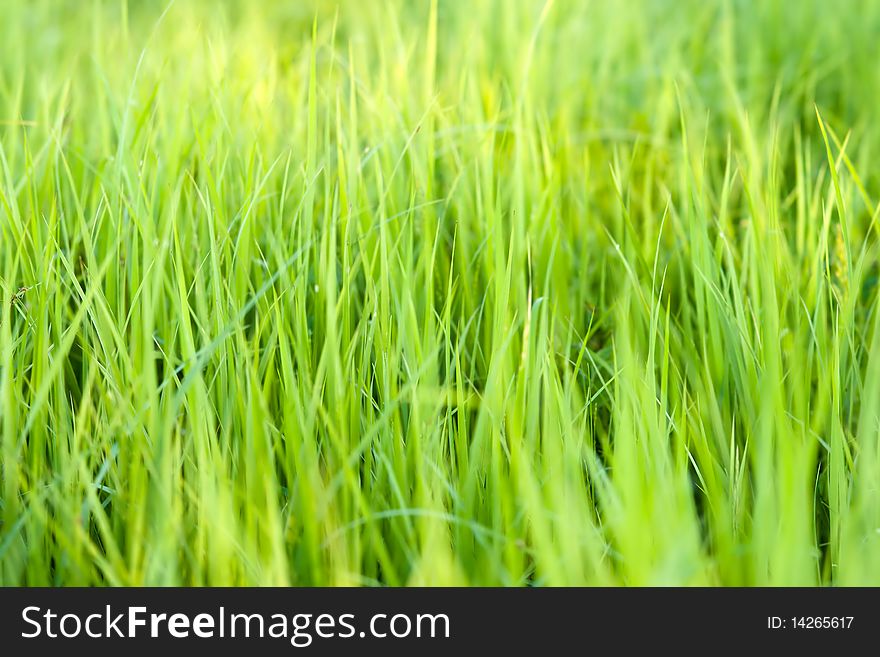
(484, 293)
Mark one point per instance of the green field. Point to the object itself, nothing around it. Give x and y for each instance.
(496, 292)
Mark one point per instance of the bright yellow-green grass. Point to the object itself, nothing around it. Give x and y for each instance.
(490, 292)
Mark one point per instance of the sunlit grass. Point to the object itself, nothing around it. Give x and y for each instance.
(484, 293)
